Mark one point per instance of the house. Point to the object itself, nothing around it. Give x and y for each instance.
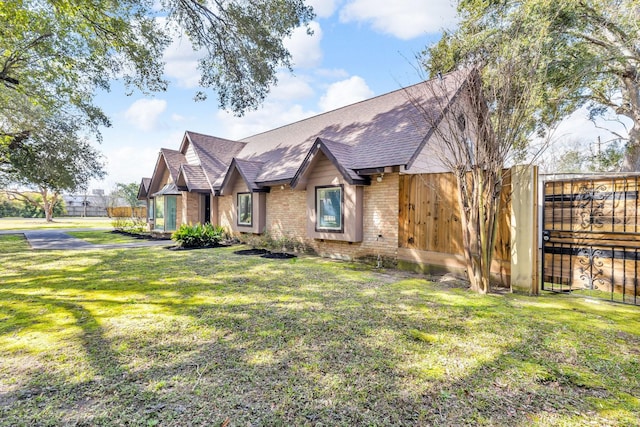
(331, 180)
(94, 204)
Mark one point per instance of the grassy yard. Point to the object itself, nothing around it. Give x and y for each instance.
(204, 337)
(101, 237)
(63, 222)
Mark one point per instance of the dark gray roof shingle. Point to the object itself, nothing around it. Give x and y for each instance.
(383, 131)
(194, 178)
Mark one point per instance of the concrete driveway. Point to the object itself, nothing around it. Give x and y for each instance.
(56, 239)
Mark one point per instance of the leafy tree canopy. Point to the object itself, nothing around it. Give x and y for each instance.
(55, 159)
(55, 53)
(129, 192)
(591, 54)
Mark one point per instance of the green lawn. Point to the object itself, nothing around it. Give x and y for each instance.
(102, 237)
(62, 222)
(150, 336)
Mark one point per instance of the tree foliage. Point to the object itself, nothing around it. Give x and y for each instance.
(591, 53)
(128, 192)
(589, 158)
(54, 160)
(11, 206)
(504, 103)
(55, 53)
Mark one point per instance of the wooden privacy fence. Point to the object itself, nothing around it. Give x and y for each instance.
(591, 236)
(430, 231)
(127, 212)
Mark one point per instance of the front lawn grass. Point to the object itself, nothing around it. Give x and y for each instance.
(102, 237)
(148, 336)
(62, 222)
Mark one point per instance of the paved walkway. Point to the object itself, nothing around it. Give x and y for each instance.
(56, 239)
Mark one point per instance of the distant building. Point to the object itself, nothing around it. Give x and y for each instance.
(94, 204)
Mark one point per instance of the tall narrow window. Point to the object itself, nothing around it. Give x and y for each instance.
(172, 213)
(329, 212)
(244, 209)
(159, 222)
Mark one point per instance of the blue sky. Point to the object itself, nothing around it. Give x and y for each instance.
(359, 49)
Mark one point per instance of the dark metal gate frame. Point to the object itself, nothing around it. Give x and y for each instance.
(587, 207)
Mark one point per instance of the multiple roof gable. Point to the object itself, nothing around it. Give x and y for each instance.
(386, 131)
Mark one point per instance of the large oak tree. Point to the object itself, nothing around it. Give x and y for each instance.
(54, 159)
(55, 53)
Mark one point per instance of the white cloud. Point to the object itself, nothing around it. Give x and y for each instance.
(181, 59)
(304, 48)
(291, 88)
(404, 19)
(577, 126)
(144, 113)
(128, 164)
(270, 116)
(345, 92)
(323, 8)
(331, 73)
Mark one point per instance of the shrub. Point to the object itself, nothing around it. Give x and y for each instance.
(129, 225)
(198, 235)
(280, 243)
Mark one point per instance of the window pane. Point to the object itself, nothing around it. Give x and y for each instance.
(329, 202)
(172, 213)
(159, 221)
(244, 209)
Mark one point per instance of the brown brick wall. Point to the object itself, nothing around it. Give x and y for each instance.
(286, 216)
(380, 217)
(225, 210)
(190, 208)
(286, 212)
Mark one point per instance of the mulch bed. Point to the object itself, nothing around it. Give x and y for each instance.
(141, 236)
(265, 253)
(278, 255)
(180, 248)
(252, 252)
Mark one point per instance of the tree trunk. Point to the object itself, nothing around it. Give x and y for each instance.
(631, 109)
(46, 205)
(631, 161)
(479, 199)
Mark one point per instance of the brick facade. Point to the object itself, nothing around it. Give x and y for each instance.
(286, 216)
(190, 204)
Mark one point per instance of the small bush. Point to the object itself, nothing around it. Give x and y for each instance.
(279, 243)
(129, 225)
(198, 235)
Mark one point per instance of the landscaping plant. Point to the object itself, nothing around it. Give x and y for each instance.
(198, 235)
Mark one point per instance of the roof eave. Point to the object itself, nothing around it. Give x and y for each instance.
(319, 145)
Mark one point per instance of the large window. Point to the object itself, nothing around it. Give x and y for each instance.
(244, 209)
(166, 211)
(172, 213)
(329, 213)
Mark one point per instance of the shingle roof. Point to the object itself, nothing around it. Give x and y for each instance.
(387, 130)
(383, 131)
(143, 190)
(340, 155)
(247, 169)
(193, 177)
(168, 189)
(173, 159)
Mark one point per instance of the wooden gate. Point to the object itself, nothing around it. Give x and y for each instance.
(591, 237)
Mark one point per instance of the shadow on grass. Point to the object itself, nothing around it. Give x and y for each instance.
(198, 337)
